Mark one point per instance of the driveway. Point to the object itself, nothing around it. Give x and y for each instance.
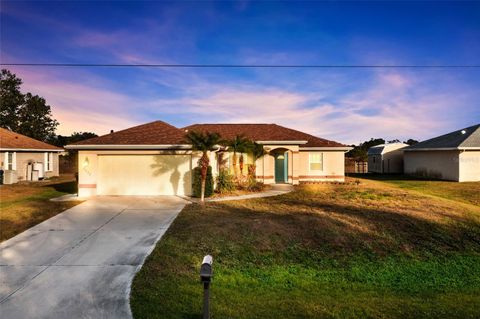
(80, 263)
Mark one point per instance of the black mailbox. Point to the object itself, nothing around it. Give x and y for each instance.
(206, 273)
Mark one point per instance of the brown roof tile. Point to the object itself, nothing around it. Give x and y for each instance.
(161, 133)
(154, 133)
(264, 132)
(16, 141)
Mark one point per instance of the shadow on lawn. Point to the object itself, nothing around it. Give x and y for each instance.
(336, 229)
(65, 187)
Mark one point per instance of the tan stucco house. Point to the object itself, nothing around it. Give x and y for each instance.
(454, 156)
(153, 159)
(26, 159)
(386, 158)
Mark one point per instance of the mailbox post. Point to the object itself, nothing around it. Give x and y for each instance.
(206, 275)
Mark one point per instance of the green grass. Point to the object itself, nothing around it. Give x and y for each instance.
(326, 251)
(467, 192)
(24, 205)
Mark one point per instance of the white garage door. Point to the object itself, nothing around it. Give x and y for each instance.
(144, 175)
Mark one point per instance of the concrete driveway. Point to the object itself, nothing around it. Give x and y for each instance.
(80, 263)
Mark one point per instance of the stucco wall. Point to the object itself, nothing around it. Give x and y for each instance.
(469, 166)
(389, 162)
(433, 164)
(23, 158)
(393, 162)
(333, 167)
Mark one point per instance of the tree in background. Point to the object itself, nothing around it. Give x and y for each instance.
(61, 140)
(35, 118)
(11, 99)
(203, 142)
(26, 114)
(359, 152)
(411, 141)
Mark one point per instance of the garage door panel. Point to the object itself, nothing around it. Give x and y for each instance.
(144, 175)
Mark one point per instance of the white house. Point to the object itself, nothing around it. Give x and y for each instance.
(386, 158)
(454, 156)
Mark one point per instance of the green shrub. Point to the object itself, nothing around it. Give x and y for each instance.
(225, 182)
(254, 186)
(197, 182)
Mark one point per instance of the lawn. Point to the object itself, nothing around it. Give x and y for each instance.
(24, 205)
(468, 192)
(323, 251)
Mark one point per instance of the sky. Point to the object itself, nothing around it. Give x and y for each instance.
(348, 105)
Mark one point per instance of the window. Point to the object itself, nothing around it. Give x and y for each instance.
(48, 159)
(316, 161)
(10, 161)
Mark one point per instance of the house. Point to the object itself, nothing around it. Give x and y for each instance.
(24, 158)
(154, 159)
(454, 156)
(386, 158)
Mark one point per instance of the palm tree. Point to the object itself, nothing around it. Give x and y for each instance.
(238, 144)
(203, 142)
(257, 152)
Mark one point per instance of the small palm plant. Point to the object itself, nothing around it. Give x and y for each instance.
(257, 152)
(203, 142)
(238, 144)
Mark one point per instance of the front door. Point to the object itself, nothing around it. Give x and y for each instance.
(281, 168)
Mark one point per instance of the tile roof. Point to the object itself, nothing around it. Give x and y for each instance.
(161, 133)
(153, 133)
(16, 141)
(264, 132)
(467, 137)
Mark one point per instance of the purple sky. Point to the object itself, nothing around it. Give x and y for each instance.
(346, 105)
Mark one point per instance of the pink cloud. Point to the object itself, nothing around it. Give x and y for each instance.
(79, 106)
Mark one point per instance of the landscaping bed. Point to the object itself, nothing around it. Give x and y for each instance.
(367, 249)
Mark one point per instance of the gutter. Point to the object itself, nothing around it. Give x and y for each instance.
(442, 149)
(282, 142)
(340, 148)
(31, 150)
(129, 147)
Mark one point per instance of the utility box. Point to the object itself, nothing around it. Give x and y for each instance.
(37, 166)
(10, 177)
(34, 176)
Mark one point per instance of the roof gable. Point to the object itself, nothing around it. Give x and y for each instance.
(10, 140)
(464, 138)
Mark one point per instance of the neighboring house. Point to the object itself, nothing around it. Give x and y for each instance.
(24, 158)
(454, 156)
(153, 159)
(386, 158)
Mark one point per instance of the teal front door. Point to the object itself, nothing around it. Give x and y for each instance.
(281, 168)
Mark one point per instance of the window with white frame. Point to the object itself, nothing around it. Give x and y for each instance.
(48, 161)
(316, 161)
(10, 161)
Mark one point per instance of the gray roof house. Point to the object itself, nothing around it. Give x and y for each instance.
(454, 156)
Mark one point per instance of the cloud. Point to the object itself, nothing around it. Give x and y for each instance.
(392, 105)
(388, 104)
(80, 105)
